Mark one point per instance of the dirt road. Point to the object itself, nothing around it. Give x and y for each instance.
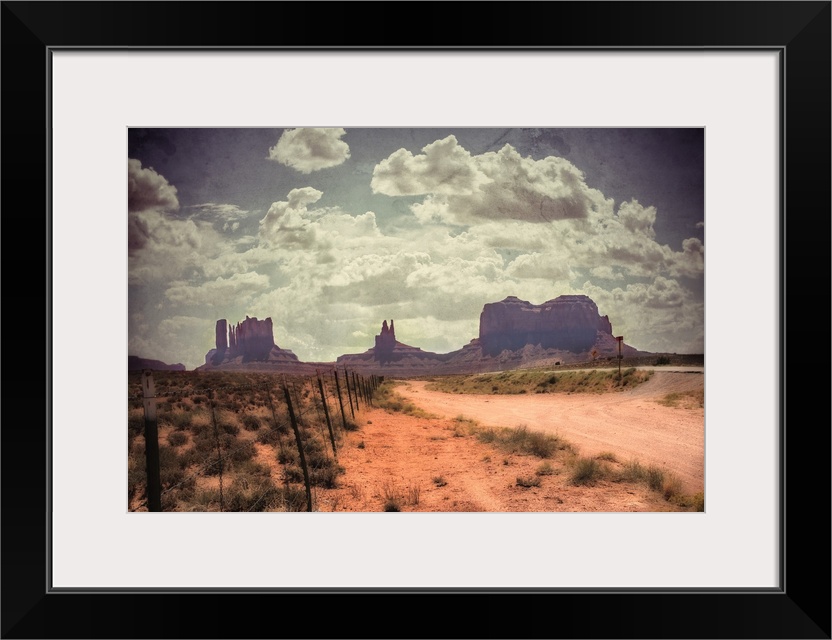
(631, 424)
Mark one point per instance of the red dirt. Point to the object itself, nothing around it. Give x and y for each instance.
(402, 455)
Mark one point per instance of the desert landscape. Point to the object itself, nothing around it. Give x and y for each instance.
(585, 442)
(415, 319)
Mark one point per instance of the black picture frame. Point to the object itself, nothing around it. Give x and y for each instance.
(799, 31)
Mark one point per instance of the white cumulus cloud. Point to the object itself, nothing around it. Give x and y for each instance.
(311, 149)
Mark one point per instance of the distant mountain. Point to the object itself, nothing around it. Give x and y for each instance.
(135, 363)
(513, 334)
(249, 345)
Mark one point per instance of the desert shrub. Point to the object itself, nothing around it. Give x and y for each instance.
(633, 471)
(661, 360)
(288, 455)
(201, 427)
(228, 427)
(487, 436)
(269, 436)
(251, 493)
(439, 481)
(177, 438)
(392, 501)
(205, 441)
(326, 477)
(545, 469)
(696, 502)
(530, 481)
(292, 499)
(608, 456)
(587, 471)
(180, 420)
(252, 468)
(386, 398)
(243, 452)
(361, 445)
(292, 473)
(655, 478)
(251, 423)
(190, 457)
(136, 475)
(671, 487)
(169, 469)
(413, 494)
(135, 424)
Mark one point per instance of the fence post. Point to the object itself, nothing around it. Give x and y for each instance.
(355, 390)
(349, 394)
(299, 442)
(279, 438)
(340, 400)
(326, 413)
(366, 391)
(151, 443)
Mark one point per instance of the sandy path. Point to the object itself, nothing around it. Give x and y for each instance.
(631, 424)
(397, 454)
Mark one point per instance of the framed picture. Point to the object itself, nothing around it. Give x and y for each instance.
(755, 76)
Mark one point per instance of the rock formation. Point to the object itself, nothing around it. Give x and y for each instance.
(385, 341)
(568, 323)
(513, 333)
(251, 340)
(388, 350)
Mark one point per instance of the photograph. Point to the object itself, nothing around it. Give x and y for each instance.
(417, 319)
(450, 269)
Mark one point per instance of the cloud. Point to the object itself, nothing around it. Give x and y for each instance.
(147, 190)
(310, 149)
(239, 288)
(658, 315)
(287, 223)
(637, 219)
(700, 225)
(148, 194)
(184, 339)
(465, 189)
(226, 217)
(606, 272)
(444, 168)
(540, 265)
(539, 207)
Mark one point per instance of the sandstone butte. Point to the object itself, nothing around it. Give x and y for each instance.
(513, 333)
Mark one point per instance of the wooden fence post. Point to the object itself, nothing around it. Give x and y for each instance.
(326, 413)
(151, 443)
(340, 400)
(294, 422)
(355, 390)
(349, 393)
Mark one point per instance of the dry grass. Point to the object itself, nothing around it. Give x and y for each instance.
(684, 399)
(529, 381)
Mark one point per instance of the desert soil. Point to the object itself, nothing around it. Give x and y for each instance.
(399, 455)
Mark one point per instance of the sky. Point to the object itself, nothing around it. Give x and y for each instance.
(331, 231)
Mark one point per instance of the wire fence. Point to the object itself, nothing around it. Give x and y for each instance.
(238, 441)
